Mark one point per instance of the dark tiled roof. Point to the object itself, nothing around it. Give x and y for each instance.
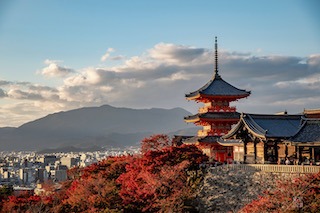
(218, 87)
(209, 139)
(309, 132)
(268, 126)
(191, 140)
(227, 142)
(214, 115)
(274, 125)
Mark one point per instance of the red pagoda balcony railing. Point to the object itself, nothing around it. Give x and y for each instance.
(215, 132)
(217, 109)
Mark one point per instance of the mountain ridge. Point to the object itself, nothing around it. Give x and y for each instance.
(100, 126)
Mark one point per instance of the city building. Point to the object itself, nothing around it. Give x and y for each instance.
(69, 161)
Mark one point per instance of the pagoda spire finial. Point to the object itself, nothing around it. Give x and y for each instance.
(216, 57)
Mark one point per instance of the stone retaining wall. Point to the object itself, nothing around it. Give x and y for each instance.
(227, 189)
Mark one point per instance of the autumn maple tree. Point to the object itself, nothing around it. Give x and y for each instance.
(158, 181)
(161, 179)
(155, 143)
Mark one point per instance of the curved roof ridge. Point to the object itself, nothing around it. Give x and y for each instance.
(301, 127)
(233, 130)
(309, 119)
(259, 130)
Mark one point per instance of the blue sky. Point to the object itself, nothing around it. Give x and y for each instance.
(59, 55)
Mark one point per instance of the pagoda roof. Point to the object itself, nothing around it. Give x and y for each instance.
(213, 116)
(218, 87)
(267, 126)
(308, 133)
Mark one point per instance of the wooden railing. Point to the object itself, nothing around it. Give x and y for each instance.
(213, 132)
(217, 109)
(271, 168)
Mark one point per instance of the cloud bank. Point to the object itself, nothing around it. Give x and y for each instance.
(161, 76)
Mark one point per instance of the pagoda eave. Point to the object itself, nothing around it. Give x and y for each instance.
(205, 97)
(211, 120)
(192, 97)
(221, 97)
(192, 120)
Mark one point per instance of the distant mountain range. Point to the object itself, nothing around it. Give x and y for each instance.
(94, 127)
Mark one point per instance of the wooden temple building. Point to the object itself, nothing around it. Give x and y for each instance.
(275, 138)
(216, 116)
(227, 135)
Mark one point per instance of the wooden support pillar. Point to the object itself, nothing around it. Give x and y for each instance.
(245, 151)
(312, 153)
(265, 151)
(276, 151)
(255, 150)
(299, 154)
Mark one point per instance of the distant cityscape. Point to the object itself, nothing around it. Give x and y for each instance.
(26, 170)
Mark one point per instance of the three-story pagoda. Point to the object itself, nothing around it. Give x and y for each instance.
(217, 116)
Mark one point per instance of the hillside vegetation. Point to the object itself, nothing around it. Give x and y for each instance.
(161, 179)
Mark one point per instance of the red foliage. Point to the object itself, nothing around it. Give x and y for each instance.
(158, 181)
(96, 189)
(23, 203)
(92, 194)
(154, 182)
(155, 143)
(298, 195)
(109, 168)
(73, 173)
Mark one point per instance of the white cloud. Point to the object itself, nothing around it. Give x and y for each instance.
(162, 75)
(311, 82)
(54, 70)
(19, 94)
(107, 54)
(172, 53)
